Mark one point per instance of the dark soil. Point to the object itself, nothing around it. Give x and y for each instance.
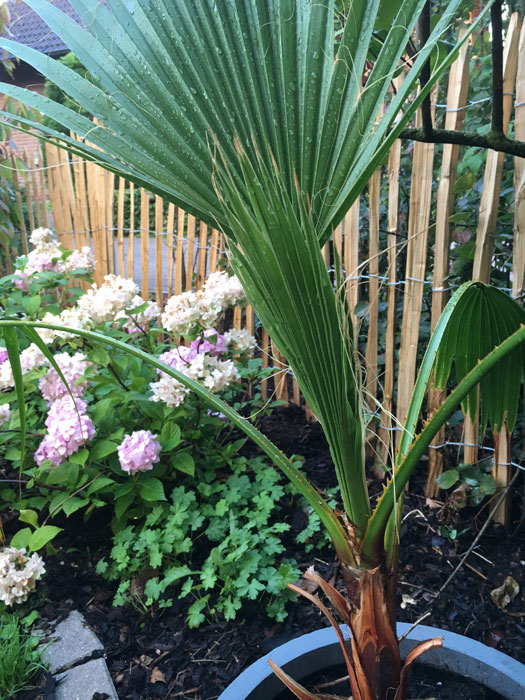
(157, 656)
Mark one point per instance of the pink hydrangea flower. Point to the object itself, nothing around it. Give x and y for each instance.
(178, 358)
(139, 451)
(3, 355)
(216, 346)
(73, 367)
(67, 430)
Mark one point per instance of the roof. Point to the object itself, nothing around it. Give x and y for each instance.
(26, 27)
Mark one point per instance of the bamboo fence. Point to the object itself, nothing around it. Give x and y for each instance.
(139, 235)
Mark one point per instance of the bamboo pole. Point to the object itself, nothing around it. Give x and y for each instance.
(109, 192)
(144, 241)
(488, 212)
(120, 226)
(169, 245)
(66, 195)
(131, 234)
(214, 250)
(29, 201)
(19, 203)
(81, 201)
(371, 353)
(418, 228)
(38, 212)
(385, 423)
(351, 258)
(201, 258)
(457, 95)
(265, 354)
(159, 235)
(518, 263)
(190, 252)
(42, 186)
(179, 255)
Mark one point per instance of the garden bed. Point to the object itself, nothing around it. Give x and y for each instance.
(155, 655)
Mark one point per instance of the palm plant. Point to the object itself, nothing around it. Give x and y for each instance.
(259, 117)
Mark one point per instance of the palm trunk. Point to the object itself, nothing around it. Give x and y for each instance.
(375, 647)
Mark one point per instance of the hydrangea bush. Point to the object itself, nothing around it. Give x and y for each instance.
(88, 448)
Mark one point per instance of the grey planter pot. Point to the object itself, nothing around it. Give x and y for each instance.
(319, 650)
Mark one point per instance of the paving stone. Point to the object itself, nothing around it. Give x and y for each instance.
(73, 642)
(85, 681)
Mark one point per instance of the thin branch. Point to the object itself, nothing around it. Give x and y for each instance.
(497, 67)
(424, 78)
(494, 140)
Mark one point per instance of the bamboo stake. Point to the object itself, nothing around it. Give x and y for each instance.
(81, 201)
(144, 241)
(42, 187)
(169, 245)
(518, 264)
(457, 95)
(66, 198)
(418, 225)
(373, 289)
(109, 191)
(179, 256)
(120, 226)
(54, 187)
(385, 423)
(16, 185)
(190, 252)
(201, 259)
(488, 212)
(214, 250)
(265, 353)
(159, 233)
(38, 213)
(29, 201)
(131, 234)
(280, 376)
(351, 257)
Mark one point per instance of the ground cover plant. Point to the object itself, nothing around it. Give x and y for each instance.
(21, 658)
(87, 451)
(271, 139)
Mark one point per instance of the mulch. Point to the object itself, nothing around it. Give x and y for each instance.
(155, 655)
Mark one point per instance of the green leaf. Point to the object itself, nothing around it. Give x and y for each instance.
(13, 353)
(151, 489)
(73, 504)
(123, 503)
(20, 539)
(184, 463)
(79, 457)
(447, 479)
(41, 536)
(195, 616)
(170, 436)
(99, 356)
(102, 449)
(28, 516)
(31, 304)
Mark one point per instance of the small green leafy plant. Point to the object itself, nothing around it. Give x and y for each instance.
(216, 541)
(20, 658)
(472, 483)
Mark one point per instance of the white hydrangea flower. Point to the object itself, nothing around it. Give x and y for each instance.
(103, 303)
(43, 241)
(226, 291)
(18, 574)
(82, 258)
(30, 358)
(5, 413)
(6, 376)
(139, 320)
(208, 370)
(241, 338)
(189, 312)
(168, 391)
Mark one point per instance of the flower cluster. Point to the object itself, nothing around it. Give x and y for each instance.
(71, 317)
(68, 428)
(139, 451)
(5, 413)
(68, 425)
(18, 574)
(190, 313)
(206, 369)
(102, 304)
(73, 368)
(225, 290)
(82, 259)
(241, 339)
(138, 321)
(30, 358)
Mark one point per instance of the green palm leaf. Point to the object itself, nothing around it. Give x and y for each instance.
(250, 116)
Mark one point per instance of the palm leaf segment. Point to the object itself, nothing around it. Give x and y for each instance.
(252, 91)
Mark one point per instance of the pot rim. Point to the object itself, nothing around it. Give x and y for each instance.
(312, 652)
